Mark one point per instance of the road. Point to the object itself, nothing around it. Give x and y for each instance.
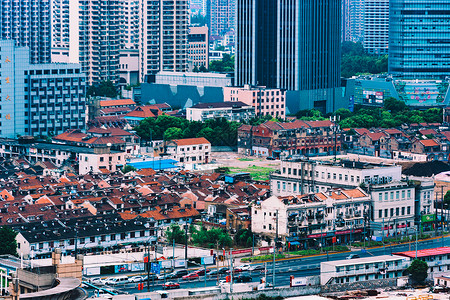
(298, 267)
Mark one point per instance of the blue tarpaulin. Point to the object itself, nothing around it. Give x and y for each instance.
(162, 164)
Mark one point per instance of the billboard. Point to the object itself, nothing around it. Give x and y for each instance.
(373, 97)
(428, 218)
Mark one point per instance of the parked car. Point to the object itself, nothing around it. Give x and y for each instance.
(223, 270)
(137, 278)
(190, 276)
(243, 278)
(201, 272)
(180, 273)
(166, 276)
(352, 256)
(213, 273)
(97, 281)
(117, 280)
(236, 270)
(171, 285)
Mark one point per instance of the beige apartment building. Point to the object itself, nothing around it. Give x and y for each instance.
(265, 101)
(198, 47)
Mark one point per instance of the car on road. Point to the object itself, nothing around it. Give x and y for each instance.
(245, 267)
(190, 276)
(180, 273)
(223, 270)
(166, 276)
(137, 278)
(202, 272)
(352, 256)
(236, 270)
(256, 268)
(213, 273)
(171, 285)
(243, 278)
(117, 280)
(96, 281)
(270, 158)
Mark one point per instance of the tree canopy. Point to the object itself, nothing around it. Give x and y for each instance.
(174, 232)
(356, 61)
(104, 89)
(8, 241)
(393, 114)
(244, 238)
(219, 132)
(211, 238)
(418, 270)
(226, 65)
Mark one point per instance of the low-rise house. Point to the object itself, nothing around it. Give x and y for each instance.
(189, 151)
(438, 259)
(313, 220)
(362, 269)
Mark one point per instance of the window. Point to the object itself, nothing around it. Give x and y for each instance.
(101, 158)
(113, 237)
(392, 195)
(380, 197)
(397, 195)
(346, 177)
(92, 239)
(403, 194)
(386, 213)
(380, 213)
(408, 210)
(409, 194)
(397, 211)
(392, 212)
(334, 176)
(386, 196)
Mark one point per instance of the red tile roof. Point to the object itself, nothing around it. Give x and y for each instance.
(375, 136)
(361, 131)
(425, 252)
(147, 111)
(107, 103)
(429, 143)
(192, 141)
(428, 132)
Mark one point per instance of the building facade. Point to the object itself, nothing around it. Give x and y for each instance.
(221, 16)
(198, 47)
(163, 36)
(418, 36)
(189, 151)
(313, 220)
(129, 24)
(438, 259)
(363, 269)
(99, 40)
(376, 26)
(267, 102)
(293, 25)
(305, 176)
(353, 20)
(28, 23)
(39, 99)
(232, 111)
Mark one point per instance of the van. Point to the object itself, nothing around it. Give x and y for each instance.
(117, 280)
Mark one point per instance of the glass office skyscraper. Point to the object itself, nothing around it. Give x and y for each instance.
(419, 39)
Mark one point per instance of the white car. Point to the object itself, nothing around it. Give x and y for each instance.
(137, 278)
(245, 267)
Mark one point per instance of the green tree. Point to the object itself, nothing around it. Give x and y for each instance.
(104, 89)
(244, 238)
(128, 168)
(211, 238)
(173, 133)
(418, 270)
(394, 105)
(174, 232)
(8, 241)
(226, 65)
(447, 200)
(356, 61)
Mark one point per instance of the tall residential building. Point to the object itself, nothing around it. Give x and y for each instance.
(198, 51)
(376, 26)
(129, 24)
(288, 44)
(163, 32)
(198, 7)
(28, 24)
(38, 99)
(419, 38)
(99, 39)
(60, 24)
(221, 15)
(353, 20)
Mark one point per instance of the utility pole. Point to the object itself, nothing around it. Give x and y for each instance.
(186, 243)
(275, 249)
(148, 266)
(231, 270)
(416, 240)
(442, 214)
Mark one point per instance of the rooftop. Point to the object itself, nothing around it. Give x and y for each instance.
(425, 252)
(356, 261)
(230, 104)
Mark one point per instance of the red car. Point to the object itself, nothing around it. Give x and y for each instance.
(171, 285)
(235, 271)
(201, 272)
(190, 276)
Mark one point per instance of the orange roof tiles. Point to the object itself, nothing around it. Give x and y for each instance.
(107, 103)
(147, 111)
(192, 141)
(6, 195)
(429, 143)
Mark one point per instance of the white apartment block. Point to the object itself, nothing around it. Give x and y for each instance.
(308, 176)
(99, 39)
(265, 101)
(314, 218)
(163, 36)
(189, 151)
(362, 269)
(101, 161)
(393, 208)
(129, 24)
(438, 260)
